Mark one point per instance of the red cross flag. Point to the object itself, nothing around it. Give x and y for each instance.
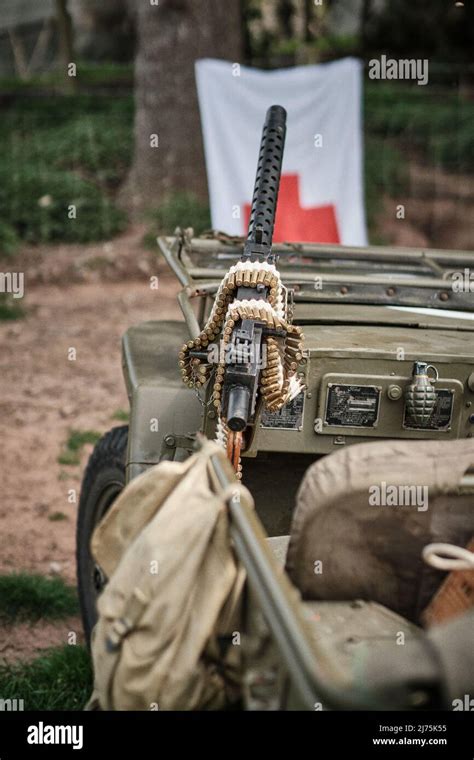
(321, 192)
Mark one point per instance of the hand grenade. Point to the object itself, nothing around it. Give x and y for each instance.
(420, 396)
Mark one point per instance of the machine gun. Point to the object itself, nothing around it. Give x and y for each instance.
(242, 375)
(259, 347)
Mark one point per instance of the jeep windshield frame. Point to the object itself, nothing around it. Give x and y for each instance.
(321, 273)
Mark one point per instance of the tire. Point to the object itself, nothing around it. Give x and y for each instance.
(103, 481)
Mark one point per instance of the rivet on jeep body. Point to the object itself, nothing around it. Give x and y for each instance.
(394, 392)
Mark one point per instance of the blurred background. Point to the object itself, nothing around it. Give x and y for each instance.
(70, 134)
(83, 85)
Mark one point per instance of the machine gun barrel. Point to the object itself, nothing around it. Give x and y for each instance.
(267, 183)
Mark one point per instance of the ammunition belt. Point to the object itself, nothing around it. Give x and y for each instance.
(278, 381)
(283, 355)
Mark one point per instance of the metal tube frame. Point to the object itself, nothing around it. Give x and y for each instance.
(305, 659)
(336, 288)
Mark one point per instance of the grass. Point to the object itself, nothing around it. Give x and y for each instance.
(60, 152)
(90, 144)
(57, 516)
(78, 438)
(121, 415)
(179, 210)
(70, 454)
(8, 239)
(10, 309)
(44, 204)
(88, 74)
(61, 679)
(25, 596)
(69, 458)
(67, 475)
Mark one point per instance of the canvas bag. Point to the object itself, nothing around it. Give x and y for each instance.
(174, 588)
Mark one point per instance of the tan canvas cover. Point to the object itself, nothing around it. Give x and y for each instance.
(174, 586)
(344, 547)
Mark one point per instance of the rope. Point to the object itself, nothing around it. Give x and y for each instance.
(455, 557)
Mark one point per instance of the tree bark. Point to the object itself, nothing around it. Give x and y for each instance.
(169, 154)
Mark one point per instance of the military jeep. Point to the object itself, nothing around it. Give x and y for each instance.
(382, 384)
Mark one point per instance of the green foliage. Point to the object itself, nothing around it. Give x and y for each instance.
(67, 475)
(8, 239)
(10, 308)
(287, 46)
(69, 458)
(437, 124)
(90, 145)
(78, 438)
(36, 199)
(335, 45)
(25, 115)
(122, 415)
(386, 173)
(72, 448)
(179, 210)
(60, 679)
(323, 48)
(433, 29)
(25, 596)
(57, 516)
(104, 74)
(60, 152)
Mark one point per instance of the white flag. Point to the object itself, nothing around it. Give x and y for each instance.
(321, 192)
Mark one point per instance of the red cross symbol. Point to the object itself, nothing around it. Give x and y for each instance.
(294, 223)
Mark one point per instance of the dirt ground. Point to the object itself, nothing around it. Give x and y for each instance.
(72, 301)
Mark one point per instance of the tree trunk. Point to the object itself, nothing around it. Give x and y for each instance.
(169, 155)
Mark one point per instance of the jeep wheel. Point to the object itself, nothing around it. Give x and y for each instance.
(103, 481)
